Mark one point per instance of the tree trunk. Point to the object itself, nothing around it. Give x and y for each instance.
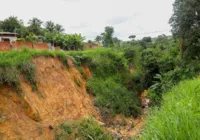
(181, 47)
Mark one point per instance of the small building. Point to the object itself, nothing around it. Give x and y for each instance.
(8, 37)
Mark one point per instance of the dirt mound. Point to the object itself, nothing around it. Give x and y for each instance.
(62, 96)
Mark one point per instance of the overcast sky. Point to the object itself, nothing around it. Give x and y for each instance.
(89, 17)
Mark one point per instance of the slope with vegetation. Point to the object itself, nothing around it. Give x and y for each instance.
(42, 89)
(39, 91)
(42, 92)
(178, 116)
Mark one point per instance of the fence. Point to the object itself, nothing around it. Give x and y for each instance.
(21, 45)
(41, 46)
(6, 46)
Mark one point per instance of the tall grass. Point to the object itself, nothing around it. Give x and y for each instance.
(179, 116)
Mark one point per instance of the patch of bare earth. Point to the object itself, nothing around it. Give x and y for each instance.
(62, 97)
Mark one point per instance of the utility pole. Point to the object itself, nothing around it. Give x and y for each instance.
(53, 38)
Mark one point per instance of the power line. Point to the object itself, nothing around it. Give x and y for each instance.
(153, 32)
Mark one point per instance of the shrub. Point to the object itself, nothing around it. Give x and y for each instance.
(111, 95)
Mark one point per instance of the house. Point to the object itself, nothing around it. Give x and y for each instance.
(8, 37)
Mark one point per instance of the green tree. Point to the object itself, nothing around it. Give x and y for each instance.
(35, 26)
(116, 41)
(108, 37)
(66, 41)
(185, 23)
(162, 39)
(49, 26)
(132, 37)
(59, 28)
(98, 38)
(10, 24)
(32, 38)
(145, 41)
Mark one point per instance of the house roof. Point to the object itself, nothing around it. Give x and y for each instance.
(7, 33)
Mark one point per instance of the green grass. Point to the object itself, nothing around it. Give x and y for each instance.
(179, 116)
(15, 63)
(85, 129)
(63, 132)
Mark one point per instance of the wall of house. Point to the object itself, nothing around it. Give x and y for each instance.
(7, 46)
(6, 37)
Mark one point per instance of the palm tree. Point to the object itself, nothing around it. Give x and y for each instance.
(59, 28)
(50, 26)
(35, 26)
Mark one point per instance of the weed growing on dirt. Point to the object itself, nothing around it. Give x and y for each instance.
(63, 132)
(85, 129)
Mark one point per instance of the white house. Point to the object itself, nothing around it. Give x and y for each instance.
(8, 37)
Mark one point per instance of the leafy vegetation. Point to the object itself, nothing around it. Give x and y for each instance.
(110, 79)
(66, 41)
(115, 97)
(121, 70)
(186, 26)
(86, 129)
(35, 32)
(108, 84)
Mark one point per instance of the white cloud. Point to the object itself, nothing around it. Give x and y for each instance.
(89, 17)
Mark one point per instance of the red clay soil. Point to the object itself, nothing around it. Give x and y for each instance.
(34, 117)
(86, 71)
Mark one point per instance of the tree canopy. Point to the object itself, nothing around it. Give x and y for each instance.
(185, 23)
(35, 26)
(11, 24)
(108, 36)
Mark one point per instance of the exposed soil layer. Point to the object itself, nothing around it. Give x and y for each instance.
(61, 96)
